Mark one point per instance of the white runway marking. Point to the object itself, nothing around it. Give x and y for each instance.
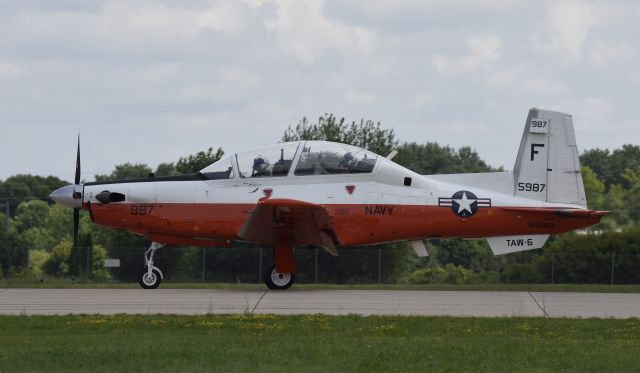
(332, 302)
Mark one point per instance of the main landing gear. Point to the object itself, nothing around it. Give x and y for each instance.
(278, 281)
(282, 274)
(152, 277)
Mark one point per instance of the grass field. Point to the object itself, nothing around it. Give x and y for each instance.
(316, 344)
(593, 288)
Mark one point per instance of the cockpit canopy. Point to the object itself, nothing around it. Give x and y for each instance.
(304, 157)
(220, 170)
(325, 158)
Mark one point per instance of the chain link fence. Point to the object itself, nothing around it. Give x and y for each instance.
(248, 265)
(370, 265)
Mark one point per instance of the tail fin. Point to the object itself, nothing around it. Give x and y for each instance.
(548, 167)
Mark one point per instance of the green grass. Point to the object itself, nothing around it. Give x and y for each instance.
(316, 344)
(593, 288)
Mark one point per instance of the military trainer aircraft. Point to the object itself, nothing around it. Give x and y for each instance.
(319, 193)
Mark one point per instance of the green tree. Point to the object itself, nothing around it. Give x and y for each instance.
(610, 166)
(37, 259)
(126, 171)
(42, 226)
(58, 264)
(625, 158)
(472, 254)
(166, 169)
(196, 162)
(365, 134)
(13, 253)
(586, 258)
(470, 161)
(31, 214)
(448, 274)
(18, 188)
(59, 223)
(599, 161)
(431, 158)
(632, 200)
(98, 270)
(594, 188)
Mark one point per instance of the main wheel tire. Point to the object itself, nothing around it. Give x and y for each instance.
(278, 281)
(150, 281)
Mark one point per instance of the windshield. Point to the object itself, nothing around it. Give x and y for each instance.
(271, 161)
(325, 158)
(222, 169)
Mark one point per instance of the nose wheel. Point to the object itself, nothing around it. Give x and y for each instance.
(152, 277)
(151, 280)
(278, 281)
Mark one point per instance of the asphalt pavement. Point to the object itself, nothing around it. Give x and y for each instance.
(331, 302)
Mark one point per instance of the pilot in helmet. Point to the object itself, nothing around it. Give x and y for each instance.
(348, 161)
(260, 164)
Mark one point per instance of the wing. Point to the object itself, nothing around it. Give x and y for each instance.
(297, 222)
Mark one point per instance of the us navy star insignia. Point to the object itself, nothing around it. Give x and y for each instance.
(464, 203)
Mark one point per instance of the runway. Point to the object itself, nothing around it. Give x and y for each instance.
(331, 302)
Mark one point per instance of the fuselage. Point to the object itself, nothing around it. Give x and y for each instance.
(389, 203)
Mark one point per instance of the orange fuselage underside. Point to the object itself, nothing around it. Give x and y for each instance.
(352, 224)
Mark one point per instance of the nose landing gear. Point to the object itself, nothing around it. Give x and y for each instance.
(152, 277)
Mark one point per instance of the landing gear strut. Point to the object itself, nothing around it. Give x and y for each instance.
(278, 281)
(282, 274)
(152, 277)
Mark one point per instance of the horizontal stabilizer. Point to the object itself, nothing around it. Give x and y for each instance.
(591, 214)
(511, 244)
(568, 212)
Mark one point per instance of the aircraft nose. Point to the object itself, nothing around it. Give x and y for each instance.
(64, 196)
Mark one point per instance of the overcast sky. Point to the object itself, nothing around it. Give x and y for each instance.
(150, 81)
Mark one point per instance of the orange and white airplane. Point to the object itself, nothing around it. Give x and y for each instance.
(327, 194)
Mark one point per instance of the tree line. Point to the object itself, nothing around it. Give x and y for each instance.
(35, 237)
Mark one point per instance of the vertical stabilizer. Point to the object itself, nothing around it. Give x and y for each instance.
(548, 167)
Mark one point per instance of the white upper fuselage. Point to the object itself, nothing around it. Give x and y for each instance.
(384, 184)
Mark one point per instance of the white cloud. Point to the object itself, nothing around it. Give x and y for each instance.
(9, 70)
(483, 50)
(228, 16)
(605, 52)
(566, 28)
(361, 97)
(302, 28)
(230, 83)
(421, 100)
(524, 78)
(125, 29)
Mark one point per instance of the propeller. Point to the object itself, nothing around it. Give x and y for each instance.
(77, 194)
(71, 196)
